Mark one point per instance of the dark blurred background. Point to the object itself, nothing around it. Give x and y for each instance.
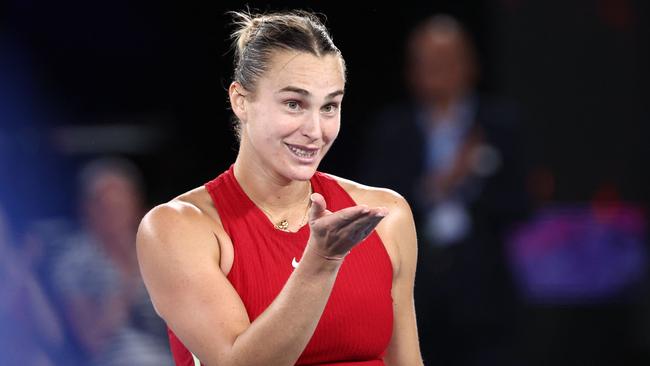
(146, 82)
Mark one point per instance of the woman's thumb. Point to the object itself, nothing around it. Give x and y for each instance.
(318, 206)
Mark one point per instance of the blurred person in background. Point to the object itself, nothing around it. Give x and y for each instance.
(94, 276)
(454, 154)
(30, 330)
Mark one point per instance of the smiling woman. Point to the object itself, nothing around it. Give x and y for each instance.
(291, 119)
(273, 262)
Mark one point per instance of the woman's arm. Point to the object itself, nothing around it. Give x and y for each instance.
(399, 231)
(179, 259)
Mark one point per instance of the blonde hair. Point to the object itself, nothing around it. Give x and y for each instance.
(256, 36)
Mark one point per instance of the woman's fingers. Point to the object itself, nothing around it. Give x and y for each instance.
(351, 223)
(351, 216)
(344, 217)
(338, 232)
(364, 226)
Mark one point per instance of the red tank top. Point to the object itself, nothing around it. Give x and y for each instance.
(356, 325)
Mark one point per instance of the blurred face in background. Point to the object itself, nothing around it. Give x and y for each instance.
(441, 65)
(113, 207)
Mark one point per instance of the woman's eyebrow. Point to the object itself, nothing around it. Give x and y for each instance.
(306, 93)
(294, 89)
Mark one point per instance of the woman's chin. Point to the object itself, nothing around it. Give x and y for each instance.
(301, 172)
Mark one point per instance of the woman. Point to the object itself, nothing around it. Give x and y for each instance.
(272, 262)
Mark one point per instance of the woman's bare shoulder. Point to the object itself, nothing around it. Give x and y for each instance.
(372, 196)
(185, 214)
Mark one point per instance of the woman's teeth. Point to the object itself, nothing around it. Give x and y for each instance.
(302, 153)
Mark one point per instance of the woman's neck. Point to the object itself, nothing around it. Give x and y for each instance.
(267, 188)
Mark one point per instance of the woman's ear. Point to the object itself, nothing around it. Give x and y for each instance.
(238, 100)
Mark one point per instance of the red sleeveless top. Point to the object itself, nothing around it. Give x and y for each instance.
(356, 325)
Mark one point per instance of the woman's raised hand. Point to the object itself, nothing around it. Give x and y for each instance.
(334, 234)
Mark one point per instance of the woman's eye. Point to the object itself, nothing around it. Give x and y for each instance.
(330, 108)
(292, 105)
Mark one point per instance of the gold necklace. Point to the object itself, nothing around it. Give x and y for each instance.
(284, 223)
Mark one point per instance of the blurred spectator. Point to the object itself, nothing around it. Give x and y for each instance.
(454, 154)
(30, 331)
(31, 176)
(94, 276)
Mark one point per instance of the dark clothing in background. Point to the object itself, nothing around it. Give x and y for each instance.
(465, 302)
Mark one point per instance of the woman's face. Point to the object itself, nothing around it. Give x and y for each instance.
(294, 116)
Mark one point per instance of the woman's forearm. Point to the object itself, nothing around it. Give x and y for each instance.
(281, 333)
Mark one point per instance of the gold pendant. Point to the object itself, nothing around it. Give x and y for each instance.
(282, 225)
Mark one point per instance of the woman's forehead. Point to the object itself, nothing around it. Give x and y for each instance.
(316, 74)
